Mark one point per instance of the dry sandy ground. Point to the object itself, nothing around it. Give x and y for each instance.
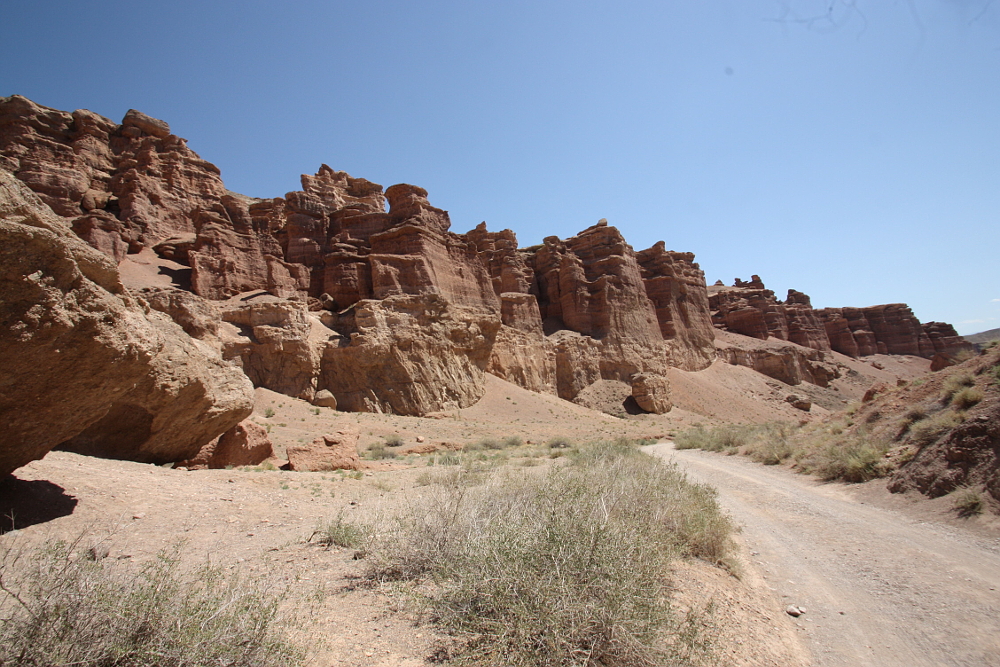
(886, 580)
(259, 523)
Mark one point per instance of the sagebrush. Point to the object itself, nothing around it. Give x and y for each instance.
(565, 567)
(59, 607)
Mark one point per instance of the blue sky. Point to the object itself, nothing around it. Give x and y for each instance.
(847, 149)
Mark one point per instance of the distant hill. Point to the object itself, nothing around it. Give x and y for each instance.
(983, 336)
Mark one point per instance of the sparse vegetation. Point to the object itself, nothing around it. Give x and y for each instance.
(564, 568)
(966, 398)
(58, 608)
(378, 451)
(394, 440)
(954, 384)
(340, 533)
(831, 452)
(967, 502)
(268, 412)
(929, 430)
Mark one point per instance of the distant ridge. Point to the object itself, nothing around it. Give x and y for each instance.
(983, 336)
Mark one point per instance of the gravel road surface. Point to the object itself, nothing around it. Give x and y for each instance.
(879, 588)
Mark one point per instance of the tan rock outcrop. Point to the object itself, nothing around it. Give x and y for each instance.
(410, 355)
(335, 451)
(274, 343)
(70, 329)
(246, 444)
(782, 360)
(652, 393)
(198, 317)
(188, 397)
(67, 329)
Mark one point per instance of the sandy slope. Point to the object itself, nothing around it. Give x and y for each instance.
(881, 587)
(259, 522)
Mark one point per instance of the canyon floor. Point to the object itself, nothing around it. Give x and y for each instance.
(880, 586)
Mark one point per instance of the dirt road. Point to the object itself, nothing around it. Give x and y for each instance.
(879, 588)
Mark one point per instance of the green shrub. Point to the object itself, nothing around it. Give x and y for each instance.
(268, 412)
(966, 398)
(394, 440)
(57, 609)
(566, 568)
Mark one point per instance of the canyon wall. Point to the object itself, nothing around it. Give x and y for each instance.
(365, 292)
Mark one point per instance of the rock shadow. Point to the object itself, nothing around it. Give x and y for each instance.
(25, 503)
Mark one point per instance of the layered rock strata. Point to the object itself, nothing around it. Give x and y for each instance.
(373, 299)
(750, 309)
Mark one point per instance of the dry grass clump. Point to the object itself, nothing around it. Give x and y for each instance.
(564, 567)
(339, 533)
(853, 457)
(834, 451)
(929, 430)
(967, 502)
(379, 450)
(58, 607)
(955, 384)
(966, 398)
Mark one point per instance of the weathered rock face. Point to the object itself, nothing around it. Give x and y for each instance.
(274, 344)
(591, 284)
(785, 361)
(133, 184)
(335, 451)
(410, 354)
(198, 317)
(748, 308)
(188, 397)
(946, 340)
(676, 286)
(245, 444)
(77, 347)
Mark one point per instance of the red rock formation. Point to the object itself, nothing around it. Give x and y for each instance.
(676, 286)
(750, 309)
(946, 340)
(83, 164)
(334, 451)
(245, 444)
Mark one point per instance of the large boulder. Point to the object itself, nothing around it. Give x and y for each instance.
(79, 350)
(333, 451)
(245, 444)
(188, 397)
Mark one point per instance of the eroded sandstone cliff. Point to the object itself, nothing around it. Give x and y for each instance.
(365, 295)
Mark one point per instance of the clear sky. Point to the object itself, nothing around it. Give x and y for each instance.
(849, 149)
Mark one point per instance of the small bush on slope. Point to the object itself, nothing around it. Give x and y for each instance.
(60, 609)
(565, 568)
